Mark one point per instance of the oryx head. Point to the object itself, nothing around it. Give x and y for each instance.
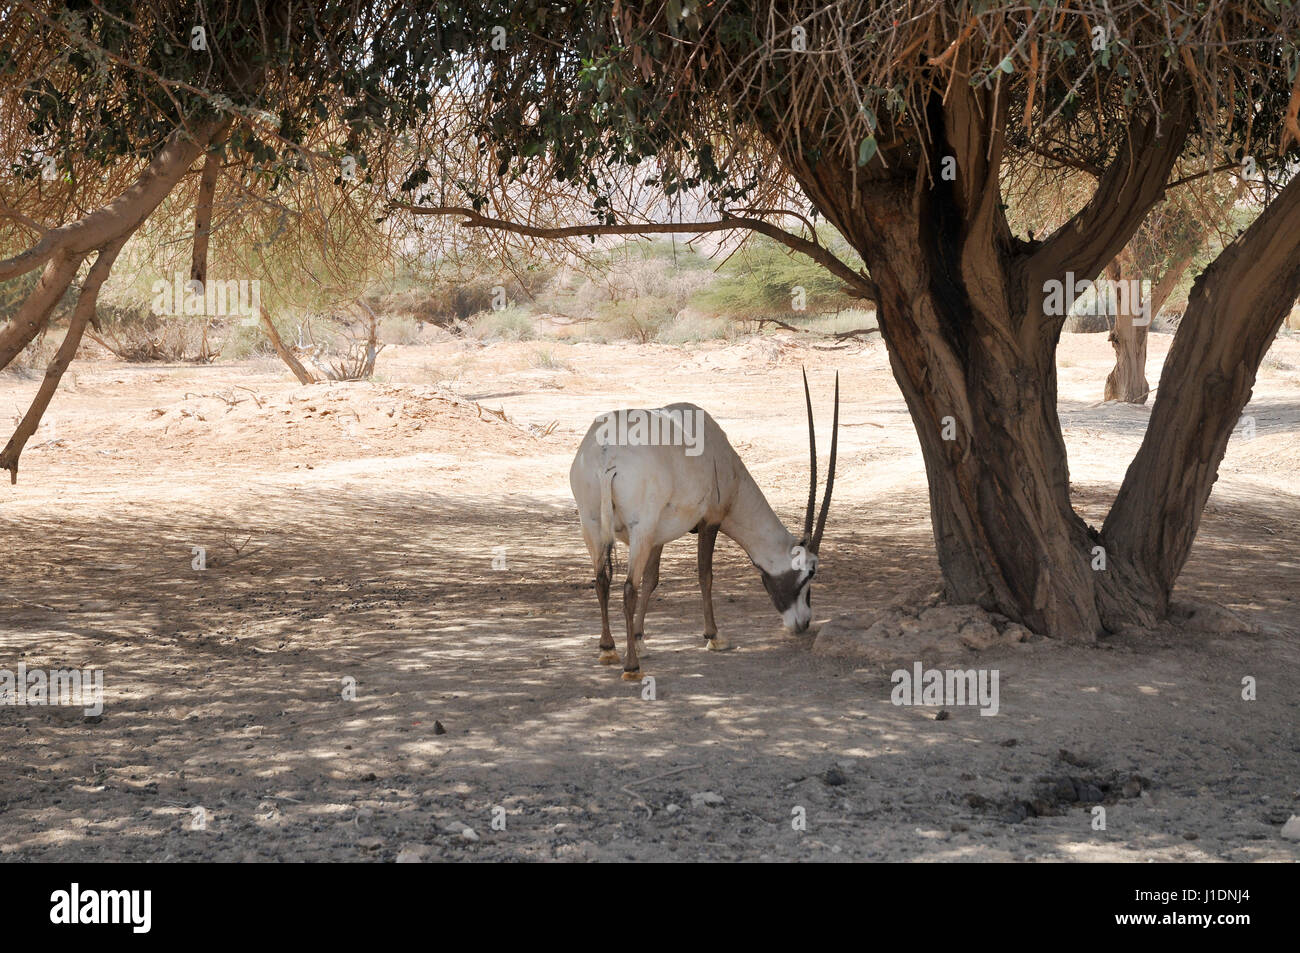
(790, 589)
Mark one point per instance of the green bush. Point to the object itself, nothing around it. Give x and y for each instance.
(510, 324)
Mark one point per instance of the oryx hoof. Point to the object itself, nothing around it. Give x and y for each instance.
(609, 657)
(717, 644)
(633, 676)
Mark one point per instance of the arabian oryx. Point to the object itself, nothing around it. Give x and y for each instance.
(647, 477)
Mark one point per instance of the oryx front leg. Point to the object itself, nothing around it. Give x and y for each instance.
(708, 535)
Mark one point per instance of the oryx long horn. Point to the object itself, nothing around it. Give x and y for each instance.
(830, 472)
(812, 451)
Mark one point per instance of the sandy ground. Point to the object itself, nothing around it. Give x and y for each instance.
(350, 533)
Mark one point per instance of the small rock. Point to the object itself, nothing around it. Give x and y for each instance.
(1190, 835)
(1016, 632)
(1009, 743)
(672, 808)
(942, 715)
(453, 827)
(469, 834)
(1088, 793)
(412, 854)
(438, 729)
(1291, 829)
(834, 777)
(370, 843)
(92, 719)
(977, 634)
(1132, 787)
(1069, 757)
(706, 798)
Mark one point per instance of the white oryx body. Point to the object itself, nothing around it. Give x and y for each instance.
(687, 478)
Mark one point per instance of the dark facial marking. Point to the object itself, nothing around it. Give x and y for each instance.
(784, 587)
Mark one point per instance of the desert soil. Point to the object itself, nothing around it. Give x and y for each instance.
(400, 536)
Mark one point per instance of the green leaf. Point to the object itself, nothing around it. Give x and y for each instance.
(866, 150)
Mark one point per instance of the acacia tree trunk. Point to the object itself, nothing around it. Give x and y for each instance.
(1127, 380)
(965, 318)
(203, 231)
(1234, 312)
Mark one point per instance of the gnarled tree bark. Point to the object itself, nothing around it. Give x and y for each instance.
(1234, 312)
(1127, 380)
(962, 312)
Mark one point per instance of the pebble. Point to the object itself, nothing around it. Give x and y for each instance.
(1291, 829)
(706, 798)
(834, 777)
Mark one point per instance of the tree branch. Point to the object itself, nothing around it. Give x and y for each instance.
(81, 316)
(1134, 182)
(817, 253)
(125, 213)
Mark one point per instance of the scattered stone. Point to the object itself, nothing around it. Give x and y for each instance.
(371, 776)
(469, 834)
(1016, 812)
(913, 631)
(942, 715)
(1132, 787)
(438, 729)
(1209, 617)
(706, 799)
(1088, 793)
(1016, 632)
(834, 777)
(413, 854)
(92, 719)
(370, 843)
(1190, 835)
(672, 808)
(1009, 743)
(1291, 829)
(1064, 790)
(977, 635)
(1069, 757)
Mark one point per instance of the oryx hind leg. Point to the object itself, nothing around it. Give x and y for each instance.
(644, 592)
(602, 559)
(638, 558)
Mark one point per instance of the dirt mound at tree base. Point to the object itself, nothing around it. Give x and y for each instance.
(926, 631)
(918, 625)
